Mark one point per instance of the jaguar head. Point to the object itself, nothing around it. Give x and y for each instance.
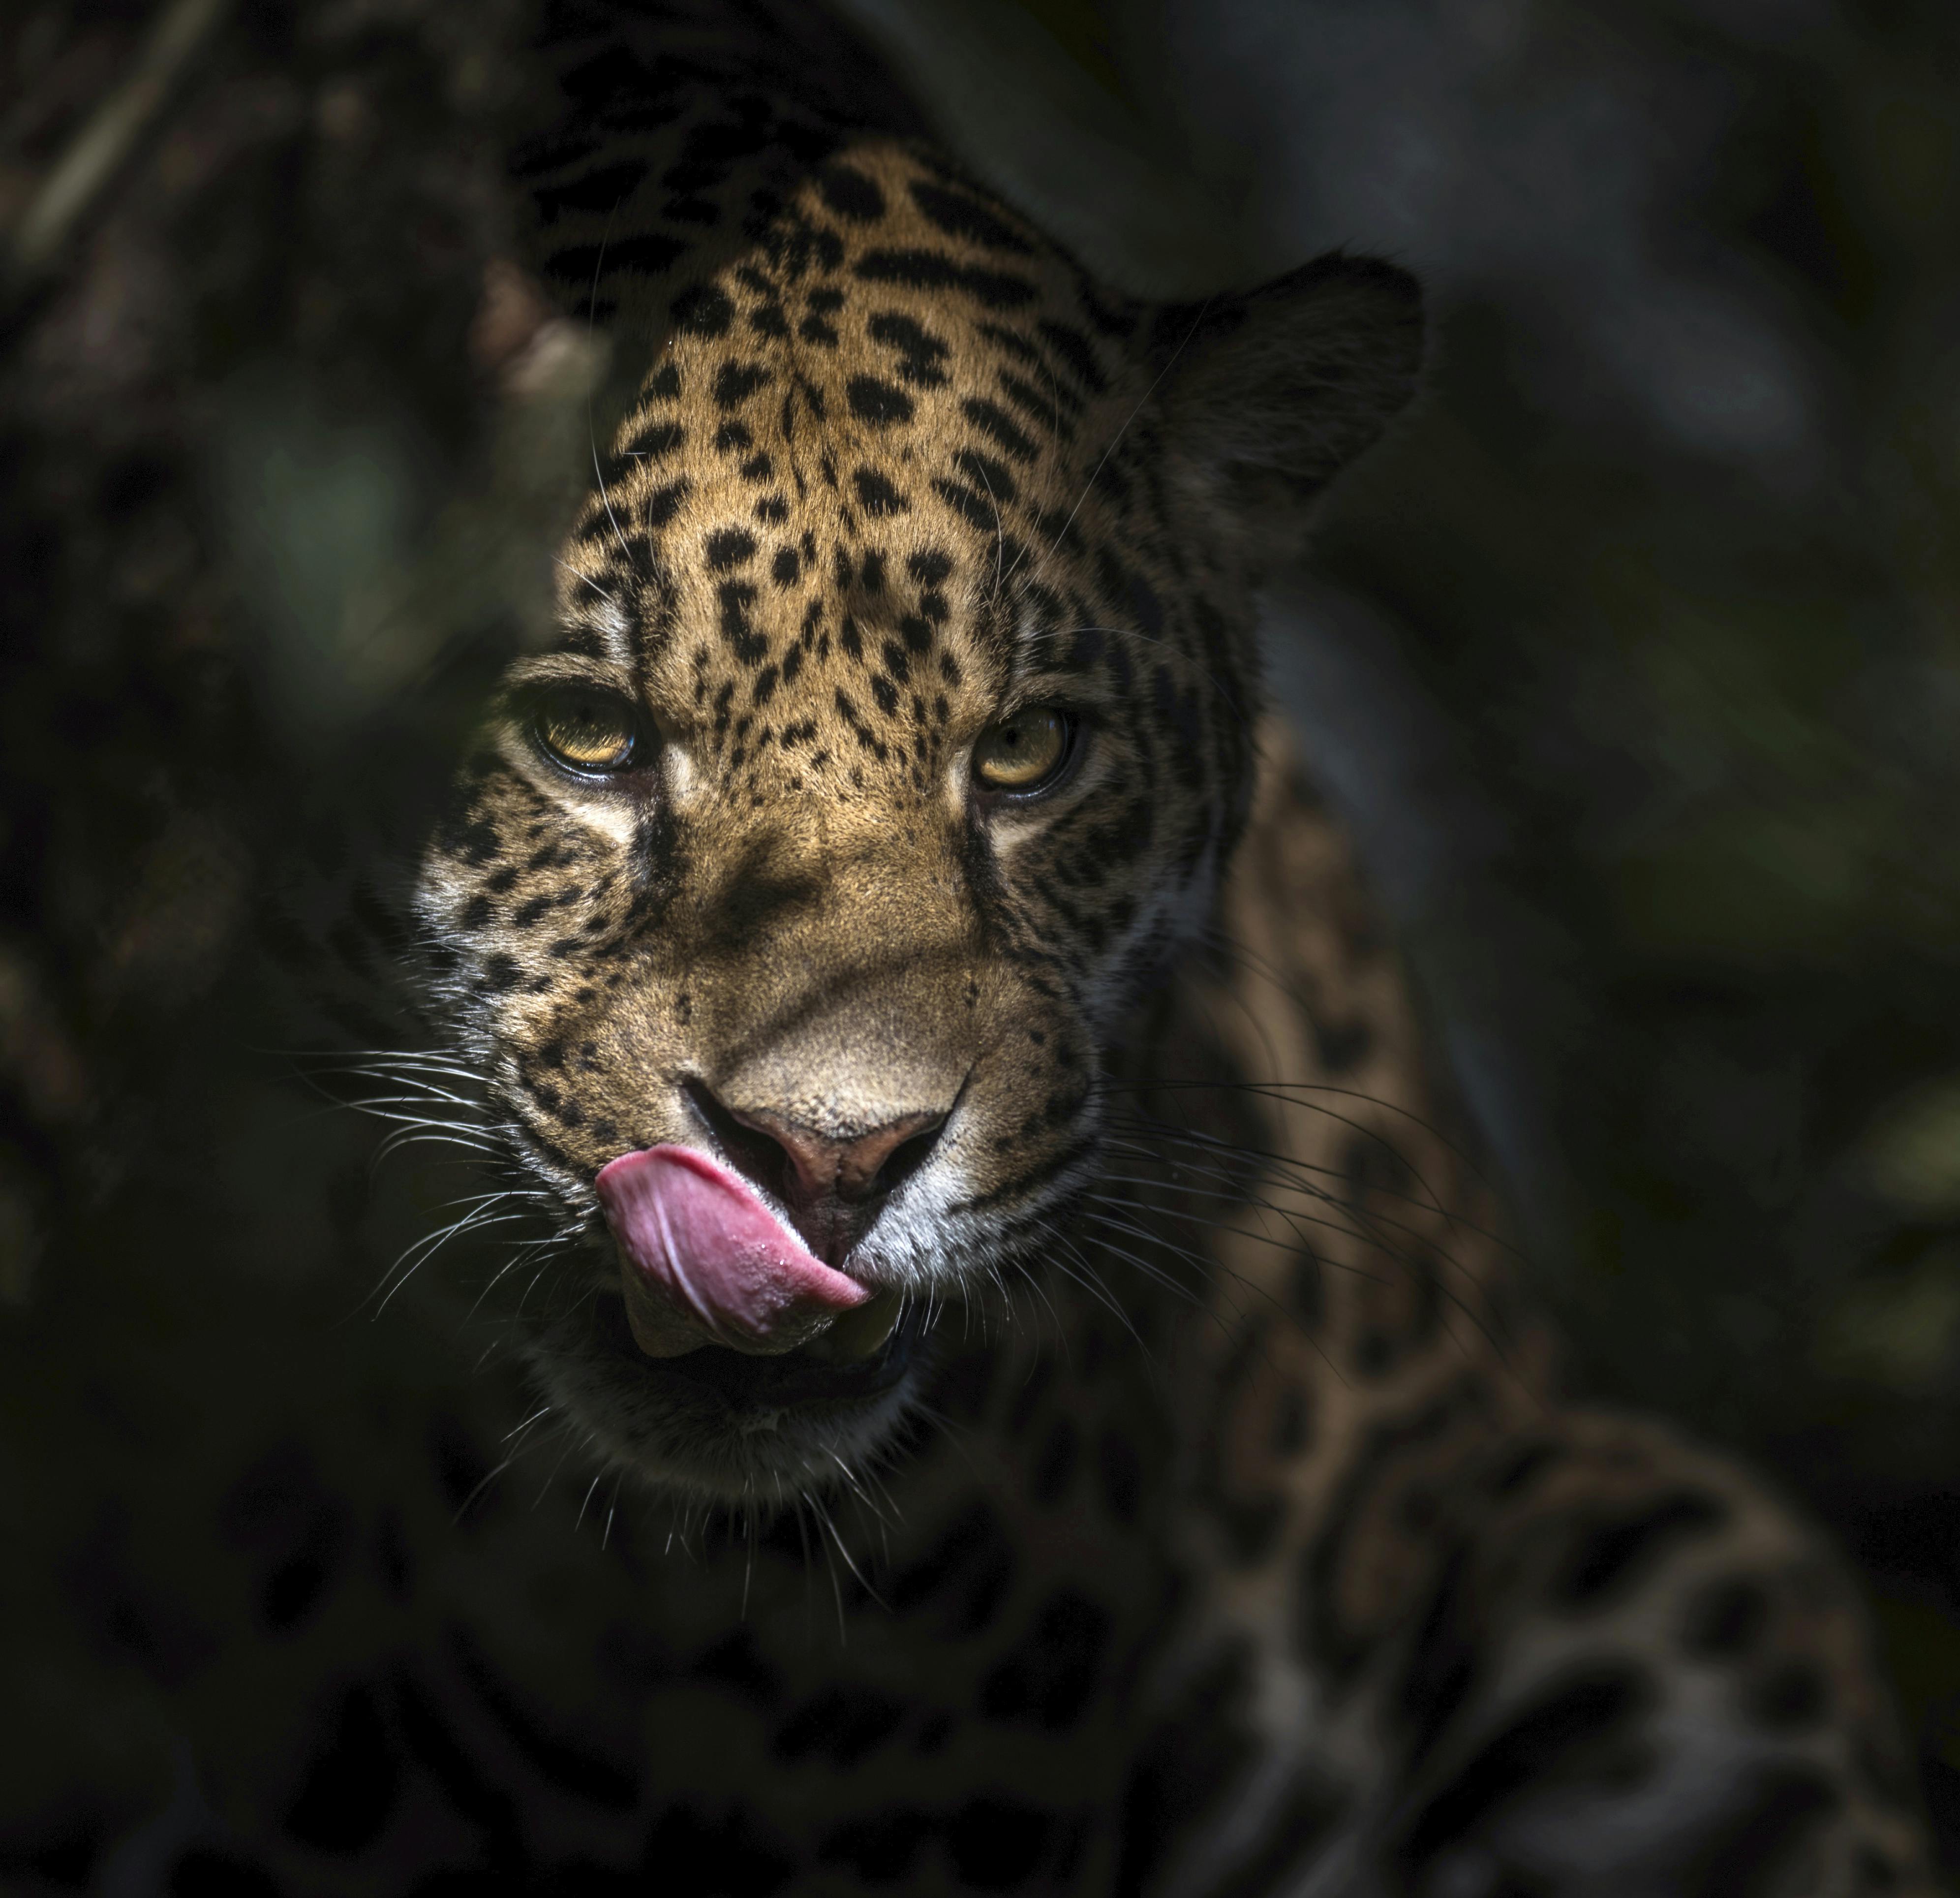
(898, 727)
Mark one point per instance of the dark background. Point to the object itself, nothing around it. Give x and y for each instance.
(1633, 657)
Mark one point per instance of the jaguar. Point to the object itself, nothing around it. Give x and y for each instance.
(1054, 1403)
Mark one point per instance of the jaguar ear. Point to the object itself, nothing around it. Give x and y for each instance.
(1265, 397)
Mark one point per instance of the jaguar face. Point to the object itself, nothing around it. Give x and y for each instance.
(898, 725)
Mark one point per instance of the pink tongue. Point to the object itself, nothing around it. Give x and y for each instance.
(704, 1255)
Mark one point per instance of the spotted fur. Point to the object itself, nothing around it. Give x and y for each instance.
(1218, 1524)
(897, 468)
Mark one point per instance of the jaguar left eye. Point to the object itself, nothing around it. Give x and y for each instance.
(589, 732)
(1025, 752)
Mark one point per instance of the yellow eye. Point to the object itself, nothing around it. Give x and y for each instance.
(586, 730)
(1024, 751)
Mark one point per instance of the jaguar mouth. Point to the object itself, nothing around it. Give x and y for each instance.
(814, 1376)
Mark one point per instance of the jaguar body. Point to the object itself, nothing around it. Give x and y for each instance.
(981, 1176)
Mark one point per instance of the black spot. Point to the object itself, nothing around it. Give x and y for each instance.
(1053, 408)
(960, 216)
(204, 1873)
(1609, 1556)
(60, 1847)
(850, 194)
(729, 547)
(1790, 1695)
(1342, 1046)
(1876, 1871)
(997, 1843)
(664, 504)
(787, 566)
(1306, 1287)
(736, 382)
(1553, 1735)
(391, 1556)
(934, 270)
(879, 1850)
(1291, 1835)
(476, 842)
(1725, 1619)
(1374, 1354)
(655, 441)
(1056, 1463)
(733, 1662)
(1120, 1470)
(279, 1511)
(1251, 1525)
(931, 568)
(921, 353)
(125, 1612)
(733, 438)
(702, 310)
(1047, 1677)
(965, 1574)
(1757, 1848)
(841, 1724)
(500, 973)
(569, 1766)
(735, 1856)
(1443, 1663)
(1527, 1466)
(350, 1784)
(463, 1472)
(989, 474)
(879, 403)
(1340, 1645)
(1184, 1765)
(748, 645)
(974, 509)
(1290, 1422)
(994, 422)
(876, 494)
(1075, 350)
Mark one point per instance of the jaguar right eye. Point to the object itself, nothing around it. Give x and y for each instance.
(1024, 753)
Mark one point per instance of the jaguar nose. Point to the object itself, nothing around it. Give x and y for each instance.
(852, 1169)
(807, 1164)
